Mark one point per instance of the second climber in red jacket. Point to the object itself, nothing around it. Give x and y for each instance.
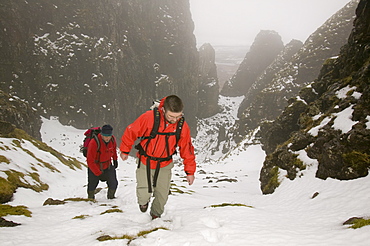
(155, 153)
(99, 160)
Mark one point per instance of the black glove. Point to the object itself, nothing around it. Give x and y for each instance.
(103, 177)
(115, 164)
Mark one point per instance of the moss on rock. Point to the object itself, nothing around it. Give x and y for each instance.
(359, 162)
(17, 210)
(6, 190)
(273, 181)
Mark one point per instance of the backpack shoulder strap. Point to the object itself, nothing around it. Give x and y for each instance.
(113, 140)
(180, 124)
(154, 131)
(97, 142)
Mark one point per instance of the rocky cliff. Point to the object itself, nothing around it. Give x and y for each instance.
(209, 87)
(329, 120)
(20, 114)
(295, 67)
(256, 105)
(266, 46)
(96, 62)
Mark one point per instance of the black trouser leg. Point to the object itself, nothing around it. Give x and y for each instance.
(92, 180)
(112, 181)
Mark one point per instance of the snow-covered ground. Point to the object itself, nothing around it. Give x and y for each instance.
(289, 216)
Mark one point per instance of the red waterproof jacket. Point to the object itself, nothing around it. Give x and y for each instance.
(142, 127)
(97, 161)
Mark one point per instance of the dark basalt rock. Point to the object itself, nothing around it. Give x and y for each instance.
(18, 113)
(265, 48)
(91, 63)
(209, 87)
(341, 154)
(294, 68)
(7, 223)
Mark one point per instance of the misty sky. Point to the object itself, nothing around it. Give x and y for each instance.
(237, 22)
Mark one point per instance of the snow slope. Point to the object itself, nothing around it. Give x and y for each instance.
(289, 216)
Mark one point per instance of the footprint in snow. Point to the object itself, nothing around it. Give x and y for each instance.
(210, 222)
(210, 236)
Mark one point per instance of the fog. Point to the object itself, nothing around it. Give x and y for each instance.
(237, 22)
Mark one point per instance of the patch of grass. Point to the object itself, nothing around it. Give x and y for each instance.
(297, 163)
(131, 237)
(143, 233)
(18, 179)
(43, 163)
(78, 199)
(4, 148)
(107, 237)
(81, 217)
(4, 159)
(230, 180)
(115, 210)
(176, 189)
(359, 222)
(20, 135)
(17, 210)
(6, 190)
(29, 180)
(230, 205)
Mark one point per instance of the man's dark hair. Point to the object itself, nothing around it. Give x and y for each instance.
(173, 103)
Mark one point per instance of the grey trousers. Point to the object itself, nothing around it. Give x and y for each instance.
(160, 192)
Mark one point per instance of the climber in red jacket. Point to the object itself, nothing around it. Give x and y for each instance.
(156, 150)
(99, 161)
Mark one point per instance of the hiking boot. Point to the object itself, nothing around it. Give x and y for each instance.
(144, 208)
(154, 216)
(110, 194)
(91, 194)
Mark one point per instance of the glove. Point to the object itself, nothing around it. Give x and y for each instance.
(115, 164)
(103, 177)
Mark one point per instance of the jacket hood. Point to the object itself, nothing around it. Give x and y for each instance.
(161, 103)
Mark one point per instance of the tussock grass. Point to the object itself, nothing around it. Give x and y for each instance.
(179, 189)
(78, 199)
(115, 210)
(230, 205)
(4, 159)
(130, 237)
(81, 217)
(358, 222)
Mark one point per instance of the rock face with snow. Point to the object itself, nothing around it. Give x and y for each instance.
(98, 62)
(266, 46)
(257, 105)
(20, 114)
(208, 88)
(292, 70)
(329, 120)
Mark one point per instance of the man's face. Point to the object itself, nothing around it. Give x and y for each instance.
(172, 117)
(106, 138)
